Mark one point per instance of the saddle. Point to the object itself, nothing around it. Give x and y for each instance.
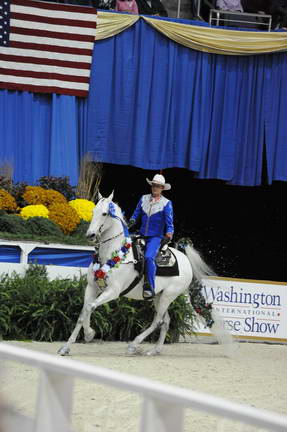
(166, 262)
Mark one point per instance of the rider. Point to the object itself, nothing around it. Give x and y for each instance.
(156, 215)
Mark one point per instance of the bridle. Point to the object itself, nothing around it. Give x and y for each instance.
(112, 214)
(112, 238)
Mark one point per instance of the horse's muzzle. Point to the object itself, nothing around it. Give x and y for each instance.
(91, 236)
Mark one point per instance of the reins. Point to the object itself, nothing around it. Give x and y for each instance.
(112, 238)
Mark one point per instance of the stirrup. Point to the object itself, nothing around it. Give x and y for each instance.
(148, 292)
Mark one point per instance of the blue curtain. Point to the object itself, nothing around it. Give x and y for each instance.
(233, 149)
(275, 116)
(155, 104)
(39, 135)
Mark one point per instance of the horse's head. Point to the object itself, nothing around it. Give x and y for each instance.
(102, 219)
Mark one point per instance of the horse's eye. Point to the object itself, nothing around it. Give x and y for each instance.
(105, 214)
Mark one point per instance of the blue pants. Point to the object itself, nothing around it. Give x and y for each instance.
(151, 251)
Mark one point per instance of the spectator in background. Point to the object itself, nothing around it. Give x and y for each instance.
(151, 7)
(278, 10)
(104, 4)
(127, 6)
(229, 5)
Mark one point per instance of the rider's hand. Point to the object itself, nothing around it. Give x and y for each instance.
(131, 223)
(164, 241)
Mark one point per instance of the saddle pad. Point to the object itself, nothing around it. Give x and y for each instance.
(168, 270)
(160, 270)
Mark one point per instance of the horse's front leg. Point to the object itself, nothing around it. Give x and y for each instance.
(84, 318)
(92, 292)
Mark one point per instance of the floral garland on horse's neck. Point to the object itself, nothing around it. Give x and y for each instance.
(117, 257)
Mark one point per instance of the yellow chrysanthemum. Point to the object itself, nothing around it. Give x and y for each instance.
(34, 210)
(84, 208)
(65, 216)
(53, 197)
(35, 195)
(7, 202)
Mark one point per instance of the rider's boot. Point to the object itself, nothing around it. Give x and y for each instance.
(148, 291)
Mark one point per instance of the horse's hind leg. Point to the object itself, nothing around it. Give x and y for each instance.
(161, 319)
(83, 321)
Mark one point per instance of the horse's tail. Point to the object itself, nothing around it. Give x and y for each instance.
(199, 267)
(204, 310)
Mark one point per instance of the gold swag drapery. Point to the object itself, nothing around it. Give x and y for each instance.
(200, 38)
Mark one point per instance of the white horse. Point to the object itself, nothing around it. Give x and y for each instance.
(108, 228)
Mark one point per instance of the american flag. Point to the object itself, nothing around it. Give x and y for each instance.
(46, 47)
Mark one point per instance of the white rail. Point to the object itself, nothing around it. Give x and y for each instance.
(163, 405)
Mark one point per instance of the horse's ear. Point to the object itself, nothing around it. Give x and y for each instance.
(111, 196)
(99, 195)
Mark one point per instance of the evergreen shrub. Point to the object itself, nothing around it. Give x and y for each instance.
(42, 227)
(32, 307)
(81, 229)
(13, 224)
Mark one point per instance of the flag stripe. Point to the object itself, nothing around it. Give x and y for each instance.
(54, 6)
(52, 34)
(42, 89)
(43, 75)
(77, 46)
(51, 13)
(31, 62)
(73, 23)
(40, 51)
(43, 82)
(64, 30)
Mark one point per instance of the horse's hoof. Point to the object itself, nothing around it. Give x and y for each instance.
(63, 351)
(152, 353)
(89, 336)
(131, 350)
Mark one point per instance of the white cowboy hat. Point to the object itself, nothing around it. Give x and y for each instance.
(160, 180)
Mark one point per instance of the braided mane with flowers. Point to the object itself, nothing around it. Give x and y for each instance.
(118, 257)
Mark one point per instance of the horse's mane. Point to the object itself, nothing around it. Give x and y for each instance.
(122, 215)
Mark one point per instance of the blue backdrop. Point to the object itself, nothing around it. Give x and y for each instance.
(155, 104)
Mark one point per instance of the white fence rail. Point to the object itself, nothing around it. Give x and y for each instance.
(163, 405)
(53, 271)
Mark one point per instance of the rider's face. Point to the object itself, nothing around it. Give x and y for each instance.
(156, 189)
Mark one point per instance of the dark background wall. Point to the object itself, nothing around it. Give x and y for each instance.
(240, 231)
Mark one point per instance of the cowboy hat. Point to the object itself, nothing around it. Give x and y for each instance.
(160, 180)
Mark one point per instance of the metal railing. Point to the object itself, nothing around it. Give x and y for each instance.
(163, 405)
(221, 17)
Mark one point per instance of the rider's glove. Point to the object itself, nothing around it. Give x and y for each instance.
(164, 241)
(131, 223)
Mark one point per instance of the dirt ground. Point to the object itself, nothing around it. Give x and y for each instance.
(255, 376)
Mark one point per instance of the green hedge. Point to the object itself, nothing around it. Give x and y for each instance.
(34, 308)
(39, 229)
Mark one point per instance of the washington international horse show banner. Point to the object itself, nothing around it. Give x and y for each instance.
(251, 310)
